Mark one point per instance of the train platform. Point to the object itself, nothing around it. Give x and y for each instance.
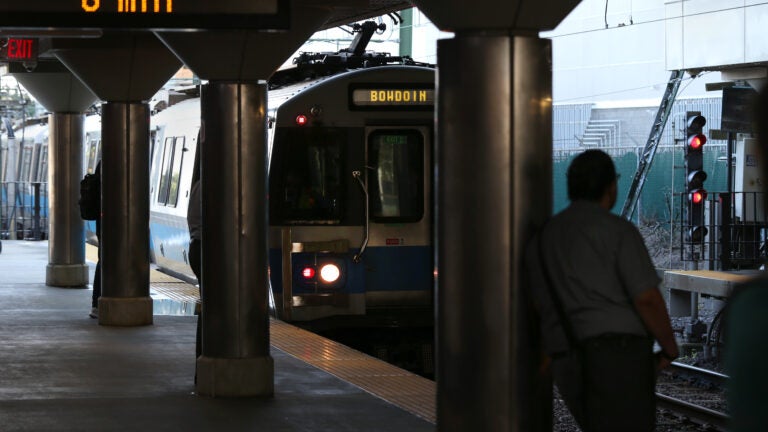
(62, 371)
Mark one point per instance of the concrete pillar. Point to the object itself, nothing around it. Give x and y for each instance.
(61, 93)
(235, 357)
(125, 299)
(66, 250)
(494, 187)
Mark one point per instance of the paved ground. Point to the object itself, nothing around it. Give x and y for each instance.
(61, 371)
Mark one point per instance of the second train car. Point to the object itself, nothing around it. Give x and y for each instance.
(350, 196)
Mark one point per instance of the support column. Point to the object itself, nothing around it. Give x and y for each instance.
(235, 336)
(124, 241)
(494, 187)
(66, 250)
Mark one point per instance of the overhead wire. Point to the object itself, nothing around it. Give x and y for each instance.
(615, 92)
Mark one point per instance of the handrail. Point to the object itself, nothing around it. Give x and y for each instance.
(358, 256)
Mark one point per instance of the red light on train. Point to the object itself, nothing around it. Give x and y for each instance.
(301, 120)
(308, 273)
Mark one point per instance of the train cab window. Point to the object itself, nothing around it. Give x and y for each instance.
(170, 172)
(396, 177)
(306, 177)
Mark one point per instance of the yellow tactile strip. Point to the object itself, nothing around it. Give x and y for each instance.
(178, 291)
(399, 387)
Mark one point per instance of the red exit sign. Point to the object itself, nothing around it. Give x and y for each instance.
(21, 49)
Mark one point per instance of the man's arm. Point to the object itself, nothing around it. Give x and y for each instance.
(653, 312)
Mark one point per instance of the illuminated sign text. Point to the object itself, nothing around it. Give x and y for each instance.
(22, 49)
(132, 6)
(145, 14)
(393, 97)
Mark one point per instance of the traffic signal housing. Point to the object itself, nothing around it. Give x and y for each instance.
(695, 176)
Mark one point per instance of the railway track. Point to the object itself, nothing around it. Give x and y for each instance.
(695, 394)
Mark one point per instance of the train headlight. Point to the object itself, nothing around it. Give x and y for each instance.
(330, 273)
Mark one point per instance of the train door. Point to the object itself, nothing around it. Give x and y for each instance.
(398, 256)
(316, 214)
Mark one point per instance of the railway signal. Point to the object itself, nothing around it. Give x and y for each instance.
(695, 176)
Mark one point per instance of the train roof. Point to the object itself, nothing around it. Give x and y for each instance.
(190, 108)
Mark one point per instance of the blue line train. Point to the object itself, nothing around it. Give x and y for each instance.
(350, 195)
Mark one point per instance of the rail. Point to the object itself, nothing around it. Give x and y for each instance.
(713, 377)
(695, 413)
(700, 378)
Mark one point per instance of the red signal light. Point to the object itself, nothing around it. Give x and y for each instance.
(698, 196)
(301, 120)
(697, 141)
(308, 273)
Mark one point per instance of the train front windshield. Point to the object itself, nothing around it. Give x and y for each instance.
(306, 183)
(311, 178)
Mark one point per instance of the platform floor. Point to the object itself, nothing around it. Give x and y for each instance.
(61, 371)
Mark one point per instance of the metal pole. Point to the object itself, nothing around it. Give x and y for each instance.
(235, 357)
(494, 185)
(124, 239)
(66, 245)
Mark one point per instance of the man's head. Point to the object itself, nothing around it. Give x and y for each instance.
(592, 177)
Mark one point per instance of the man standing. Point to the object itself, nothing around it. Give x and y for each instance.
(97, 274)
(596, 290)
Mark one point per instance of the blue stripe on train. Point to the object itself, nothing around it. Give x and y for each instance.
(400, 268)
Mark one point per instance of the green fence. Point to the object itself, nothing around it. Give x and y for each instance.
(666, 177)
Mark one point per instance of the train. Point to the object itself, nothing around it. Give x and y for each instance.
(23, 179)
(24, 175)
(350, 196)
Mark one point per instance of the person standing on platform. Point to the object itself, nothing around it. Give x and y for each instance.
(92, 200)
(194, 222)
(596, 290)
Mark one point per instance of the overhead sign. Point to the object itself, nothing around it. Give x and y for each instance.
(22, 50)
(145, 14)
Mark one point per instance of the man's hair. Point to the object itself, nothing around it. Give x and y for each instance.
(590, 175)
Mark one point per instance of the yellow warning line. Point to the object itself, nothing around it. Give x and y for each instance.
(399, 387)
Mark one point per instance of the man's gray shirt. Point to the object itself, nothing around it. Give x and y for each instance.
(599, 264)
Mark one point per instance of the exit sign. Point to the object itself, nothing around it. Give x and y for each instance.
(20, 50)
